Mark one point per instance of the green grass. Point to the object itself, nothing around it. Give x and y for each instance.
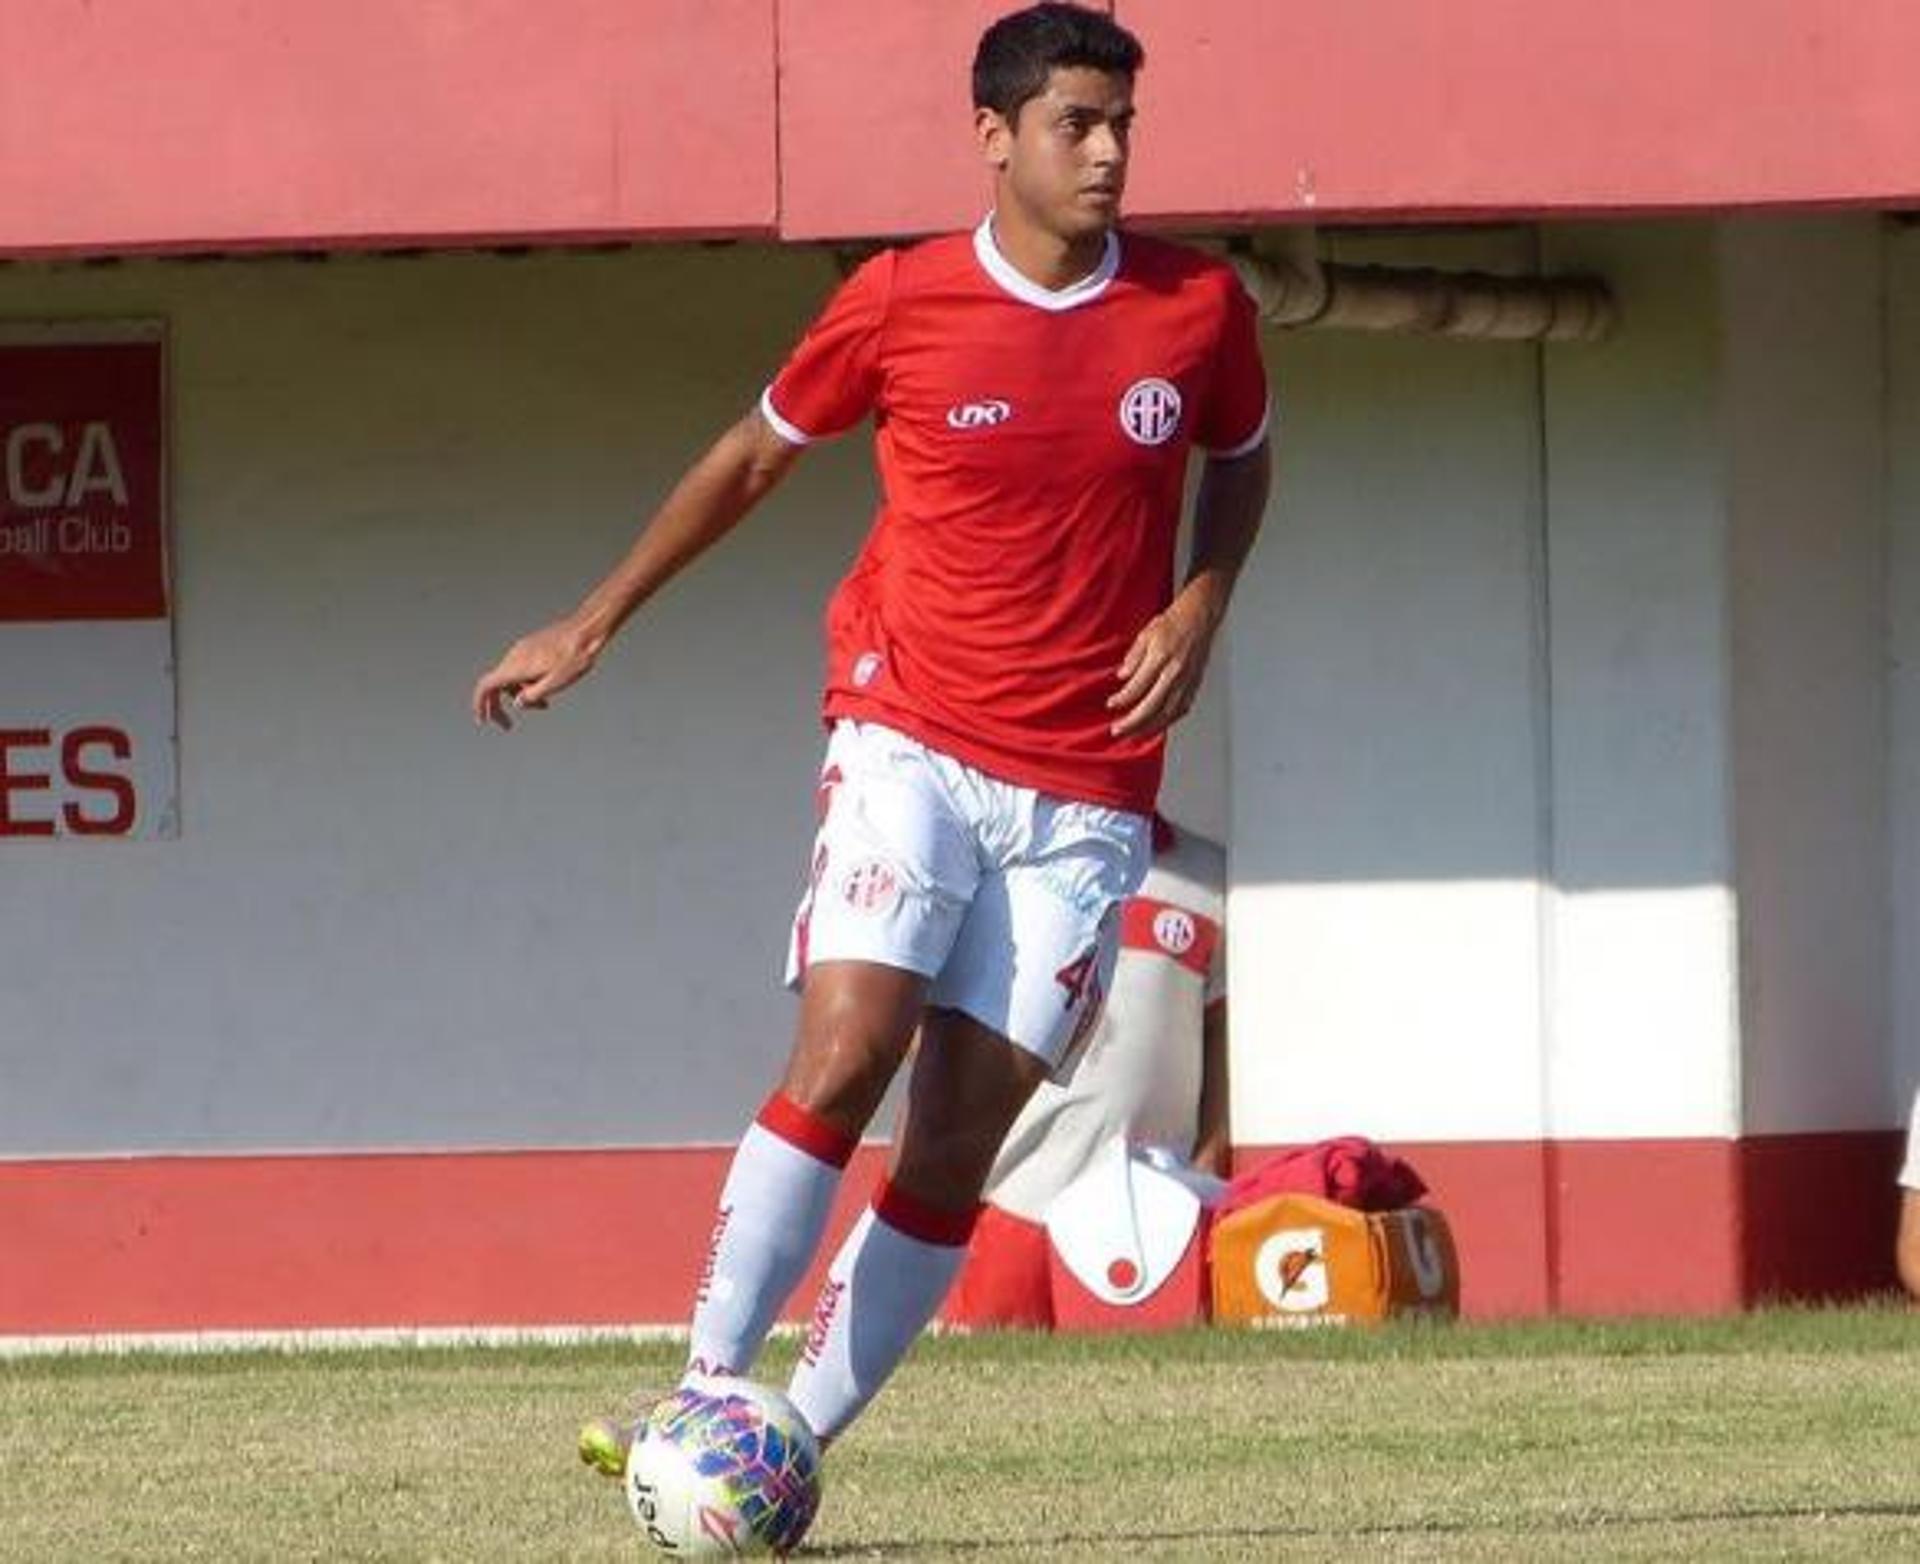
(1780, 1435)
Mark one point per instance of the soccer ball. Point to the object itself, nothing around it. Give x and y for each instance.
(724, 1467)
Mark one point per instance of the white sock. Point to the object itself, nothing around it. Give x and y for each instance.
(882, 1288)
(772, 1211)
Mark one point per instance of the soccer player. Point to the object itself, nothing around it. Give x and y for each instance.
(1154, 1074)
(1906, 1253)
(1003, 660)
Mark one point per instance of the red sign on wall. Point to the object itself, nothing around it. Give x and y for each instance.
(87, 733)
(82, 519)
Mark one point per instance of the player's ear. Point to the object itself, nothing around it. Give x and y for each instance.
(995, 136)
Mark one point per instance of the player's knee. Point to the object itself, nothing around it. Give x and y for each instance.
(944, 1166)
(842, 1087)
(843, 1062)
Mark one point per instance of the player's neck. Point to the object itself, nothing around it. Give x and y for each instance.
(1046, 259)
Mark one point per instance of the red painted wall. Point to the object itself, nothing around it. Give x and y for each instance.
(223, 124)
(876, 131)
(617, 1237)
(217, 124)
(359, 1241)
(1425, 107)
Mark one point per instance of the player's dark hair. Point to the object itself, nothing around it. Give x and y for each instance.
(1018, 52)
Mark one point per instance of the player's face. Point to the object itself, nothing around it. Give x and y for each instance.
(1063, 159)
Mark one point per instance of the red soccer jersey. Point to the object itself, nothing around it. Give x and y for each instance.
(1032, 451)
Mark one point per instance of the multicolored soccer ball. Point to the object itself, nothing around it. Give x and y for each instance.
(724, 1467)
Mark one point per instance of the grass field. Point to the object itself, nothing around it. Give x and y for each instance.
(1781, 1435)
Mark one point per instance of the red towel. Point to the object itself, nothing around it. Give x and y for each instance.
(1350, 1170)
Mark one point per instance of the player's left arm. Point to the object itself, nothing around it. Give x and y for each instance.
(1161, 674)
(1212, 1146)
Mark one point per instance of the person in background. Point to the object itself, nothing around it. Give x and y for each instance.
(1906, 1251)
(1153, 1071)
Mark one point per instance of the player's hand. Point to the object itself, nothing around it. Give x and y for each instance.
(536, 668)
(1161, 674)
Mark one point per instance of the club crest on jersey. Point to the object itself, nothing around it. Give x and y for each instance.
(983, 414)
(1150, 411)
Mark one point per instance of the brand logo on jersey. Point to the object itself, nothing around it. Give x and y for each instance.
(1150, 411)
(983, 414)
(1173, 931)
(866, 669)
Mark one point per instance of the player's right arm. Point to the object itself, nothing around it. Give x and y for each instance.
(738, 470)
(829, 384)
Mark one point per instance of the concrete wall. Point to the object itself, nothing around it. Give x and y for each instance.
(1481, 790)
(379, 927)
(1482, 714)
(1640, 1014)
(1803, 410)
(1560, 733)
(1903, 569)
(1551, 741)
(1385, 924)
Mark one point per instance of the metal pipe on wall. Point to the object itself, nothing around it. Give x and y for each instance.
(1296, 290)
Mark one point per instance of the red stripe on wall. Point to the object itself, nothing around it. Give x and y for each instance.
(1821, 1212)
(1662, 1226)
(310, 1242)
(617, 1237)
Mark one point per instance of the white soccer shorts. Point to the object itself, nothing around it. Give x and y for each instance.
(1007, 898)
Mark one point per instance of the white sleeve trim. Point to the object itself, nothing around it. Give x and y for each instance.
(793, 434)
(1252, 442)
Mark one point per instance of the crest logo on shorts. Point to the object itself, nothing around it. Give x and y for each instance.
(1173, 931)
(1150, 411)
(983, 414)
(870, 886)
(866, 668)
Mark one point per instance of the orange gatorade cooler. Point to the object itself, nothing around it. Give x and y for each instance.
(1298, 1260)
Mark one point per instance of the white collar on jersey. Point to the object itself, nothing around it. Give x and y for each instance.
(1027, 291)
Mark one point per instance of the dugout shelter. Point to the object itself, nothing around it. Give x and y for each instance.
(1567, 740)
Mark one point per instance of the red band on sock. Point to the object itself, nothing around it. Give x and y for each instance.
(803, 1128)
(931, 1225)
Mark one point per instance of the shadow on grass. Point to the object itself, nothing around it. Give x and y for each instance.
(1595, 1522)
